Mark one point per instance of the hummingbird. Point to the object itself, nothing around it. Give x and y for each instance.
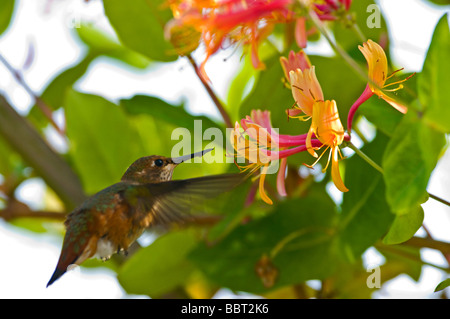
(111, 220)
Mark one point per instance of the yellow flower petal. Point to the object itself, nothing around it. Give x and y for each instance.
(305, 89)
(335, 174)
(262, 192)
(377, 63)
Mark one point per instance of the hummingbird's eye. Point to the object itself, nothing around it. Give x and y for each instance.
(159, 162)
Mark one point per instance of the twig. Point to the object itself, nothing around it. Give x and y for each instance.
(45, 109)
(211, 93)
(443, 201)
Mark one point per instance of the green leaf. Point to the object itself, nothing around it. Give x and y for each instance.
(163, 111)
(300, 230)
(6, 12)
(140, 26)
(400, 259)
(442, 285)
(102, 44)
(408, 161)
(366, 14)
(159, 267)
(366, 216)
(433, 82)
(404, 226)
(103, 143)
(239, 86)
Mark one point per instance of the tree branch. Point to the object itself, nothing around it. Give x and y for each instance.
(24, 139)
(16, 209)
(45, 109)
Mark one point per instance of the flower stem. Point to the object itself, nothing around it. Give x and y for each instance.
(380, 169)
(358, 32)
(217, 103)
(443, 201)
(365, 157)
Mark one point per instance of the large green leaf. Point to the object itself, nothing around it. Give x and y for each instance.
(366, 216)
(404, 226)
(301, 229)
(103, 44)
(408, 161)
(159, 267)
(140, 26)
(103, 143)
(165, 112)
(6, 11)
(434, 80)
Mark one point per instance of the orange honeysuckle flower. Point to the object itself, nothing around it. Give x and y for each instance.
(306, 90)
(293, 62)
(327, 127)
(245, 21)
(260, 144)
(378, 70)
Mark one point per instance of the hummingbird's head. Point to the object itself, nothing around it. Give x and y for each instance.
(155, 168)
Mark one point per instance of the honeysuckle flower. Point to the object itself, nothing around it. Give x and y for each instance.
(245, 21)
(377, 70)
(330, 9)
(260, 144)
(327, 127)
(306, 90)
(293, 62)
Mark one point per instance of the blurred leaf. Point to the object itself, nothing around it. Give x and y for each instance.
(239, 87)
(159, 267)
(400, 259)
(440, 2)
(146, 32)
(163, 111)
(379, 113)
(433, 82)
(102, 141)
(301, 229)
(6, 12)
(404, 226)
(102, 44)
(442, 285)
(348, 38)
(10, 161)
(366, 216)
(408, 161)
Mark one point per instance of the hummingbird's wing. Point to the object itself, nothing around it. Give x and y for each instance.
(172, 201)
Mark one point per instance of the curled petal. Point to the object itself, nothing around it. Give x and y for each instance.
(262, 192)
(305, 89)
(377, 63)
(281, 187)
(399, 107)
(335, 174)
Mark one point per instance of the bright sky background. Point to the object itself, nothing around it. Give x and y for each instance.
(28, 259)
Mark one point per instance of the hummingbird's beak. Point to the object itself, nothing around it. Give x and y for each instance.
(181, 159)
